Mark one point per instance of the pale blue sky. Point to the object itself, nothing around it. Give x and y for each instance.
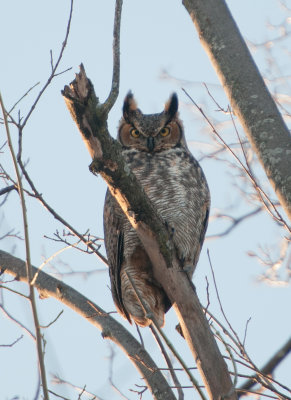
(156, 36)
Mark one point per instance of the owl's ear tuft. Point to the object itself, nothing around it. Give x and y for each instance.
(171, 107)
(129, 105)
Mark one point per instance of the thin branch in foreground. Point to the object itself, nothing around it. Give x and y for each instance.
(234, 222)
(39, 345)
(270, 366)
(22, 97)
(259, 376)
(56, 380)
(246, 330)
(18, 323)
(169, 363)
(58, 395)
(7, 189)
(110, 377)
(13, 343)
(53, 321)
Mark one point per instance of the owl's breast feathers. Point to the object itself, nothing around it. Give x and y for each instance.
(176, 185)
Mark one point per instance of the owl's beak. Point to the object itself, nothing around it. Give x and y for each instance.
(150, 143)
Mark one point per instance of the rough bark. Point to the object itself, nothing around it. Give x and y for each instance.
(49, 286)
(247, 92)
(107, 160)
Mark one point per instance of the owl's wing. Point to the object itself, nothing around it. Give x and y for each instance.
(114, 248)
(205, 210)
(204, 225)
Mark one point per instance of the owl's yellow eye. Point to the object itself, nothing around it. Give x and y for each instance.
(165, 131)
(134, 133)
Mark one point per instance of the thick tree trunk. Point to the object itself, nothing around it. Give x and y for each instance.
(247, 92)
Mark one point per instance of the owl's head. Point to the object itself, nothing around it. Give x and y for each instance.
(151, 132)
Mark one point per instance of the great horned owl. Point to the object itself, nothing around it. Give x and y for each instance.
(155, 149)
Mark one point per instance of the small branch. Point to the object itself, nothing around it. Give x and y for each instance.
(18, 323)
(22, 97)
(111, 99)
(265, 200)
(110, 377)
(269, 367)
(28, 260)
(59, 396)
(14, 291)
(7, 189)
(57, 216)
(169, 363)
(53, 321)
(81, 390)
(54, 68)
(234, 222)
(13, 343)
(246, 330)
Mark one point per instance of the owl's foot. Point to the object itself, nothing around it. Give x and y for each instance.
(143, 300)
(144, 312)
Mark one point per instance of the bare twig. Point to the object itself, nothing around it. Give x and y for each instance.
(260, 377)
(110, 377)
(18, 323)
(246, 330)
(81, 390)
(13, 343)
(169, 363)
(14, 291)
(111, 99)
(39, 196)
(59, 396)
(234, 222)
(54, 68)
(22, 97)
(28, 260)
(7, 189)
(53, 321)
(269, 367)
(266, 201)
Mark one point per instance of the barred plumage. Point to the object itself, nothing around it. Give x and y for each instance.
(154, 147)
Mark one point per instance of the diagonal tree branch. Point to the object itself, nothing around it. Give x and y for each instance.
(91, 119)
(247, 92)
(49, 286)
